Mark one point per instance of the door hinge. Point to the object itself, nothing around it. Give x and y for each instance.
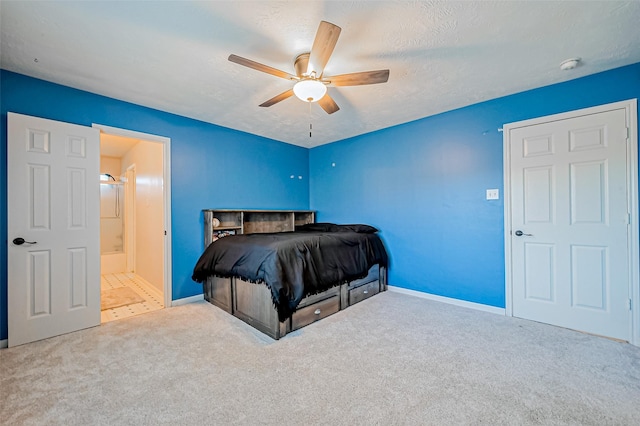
(629, 305)
(165, 232)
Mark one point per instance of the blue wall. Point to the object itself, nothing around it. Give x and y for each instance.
(211, 166)
(423, 184)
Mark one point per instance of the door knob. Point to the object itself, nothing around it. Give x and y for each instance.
(519, 233)
(20, 241)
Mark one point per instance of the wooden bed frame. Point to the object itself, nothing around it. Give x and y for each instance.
(251, 302)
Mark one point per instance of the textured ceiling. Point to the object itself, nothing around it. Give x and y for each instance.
(172, 56)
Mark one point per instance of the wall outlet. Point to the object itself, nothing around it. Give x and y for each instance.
(493, 194)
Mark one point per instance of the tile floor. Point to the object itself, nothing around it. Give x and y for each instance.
(153, 297)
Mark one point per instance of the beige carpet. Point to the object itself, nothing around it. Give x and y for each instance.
(117, 297)
(390, 360)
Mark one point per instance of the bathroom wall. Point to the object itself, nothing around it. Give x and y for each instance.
(110, 165)
(149, 223)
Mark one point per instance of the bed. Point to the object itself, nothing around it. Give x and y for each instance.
(279, 282)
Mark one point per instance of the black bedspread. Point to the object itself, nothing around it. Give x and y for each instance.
(293, 264)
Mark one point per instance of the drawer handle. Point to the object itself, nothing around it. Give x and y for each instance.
(365, 292)
(317, 311)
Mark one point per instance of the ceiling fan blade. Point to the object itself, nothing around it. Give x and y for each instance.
(359, 78)
(328, 104)
(261, 67)
(323, 45)
(281, 97)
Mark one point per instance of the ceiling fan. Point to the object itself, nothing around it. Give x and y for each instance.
(311, 83)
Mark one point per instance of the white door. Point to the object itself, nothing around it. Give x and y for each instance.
(569, 223)
(53, 204)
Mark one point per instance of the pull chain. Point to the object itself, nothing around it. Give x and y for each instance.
(310, 119)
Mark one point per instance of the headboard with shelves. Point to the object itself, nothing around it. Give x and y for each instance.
(222, 222)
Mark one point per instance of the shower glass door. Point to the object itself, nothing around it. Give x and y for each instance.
(111, 217)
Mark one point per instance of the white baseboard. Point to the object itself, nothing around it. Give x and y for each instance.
(449, 300)
(4, 343)
(186, 300)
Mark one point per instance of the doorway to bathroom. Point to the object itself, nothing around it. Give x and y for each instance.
(134, 218)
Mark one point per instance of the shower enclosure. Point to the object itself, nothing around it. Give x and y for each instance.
(112, 226)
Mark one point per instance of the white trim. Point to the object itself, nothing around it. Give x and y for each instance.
(506, 197)
(634, 240)
(4, 344)
(449, 300)
(130, 217)
(631, 109)
(187, 300)
(167, 195)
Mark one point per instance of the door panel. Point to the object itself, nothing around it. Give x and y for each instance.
(538, 195)
(39, 297)
(78, 282)
(539, 271)
(53, 199)
(570, 266)
(589, 277)
(77, 205)
(588, 193)
(39, 207)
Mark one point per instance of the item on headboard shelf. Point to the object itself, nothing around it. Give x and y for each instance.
(215, 222)
(216, 235)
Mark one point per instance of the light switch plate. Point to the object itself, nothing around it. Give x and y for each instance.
(493, 194)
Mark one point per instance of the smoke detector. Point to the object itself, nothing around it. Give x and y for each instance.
(570, 64)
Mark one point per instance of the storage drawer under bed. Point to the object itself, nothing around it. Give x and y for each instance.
(358, 294)
(314, 312)
(363, 288)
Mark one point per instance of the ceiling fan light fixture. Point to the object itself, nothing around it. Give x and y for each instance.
(309, 75)
(309, 90)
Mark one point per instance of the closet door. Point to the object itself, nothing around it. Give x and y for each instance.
(570, 216)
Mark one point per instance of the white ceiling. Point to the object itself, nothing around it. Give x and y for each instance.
(443, 55)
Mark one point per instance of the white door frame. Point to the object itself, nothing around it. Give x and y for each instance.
(167, 195)
(631, 111)
(130, 218)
